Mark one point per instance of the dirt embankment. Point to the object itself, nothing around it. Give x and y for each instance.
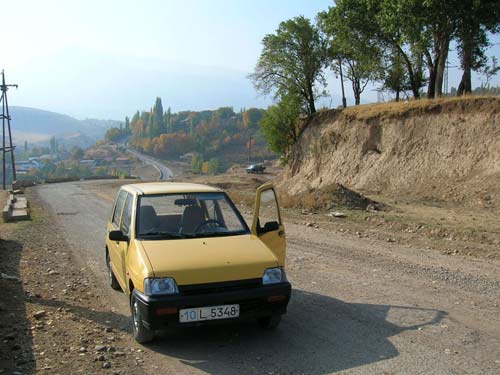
(444, 151)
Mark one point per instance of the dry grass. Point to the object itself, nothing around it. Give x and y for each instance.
(399, 109)
(404, 108)
(3, 200)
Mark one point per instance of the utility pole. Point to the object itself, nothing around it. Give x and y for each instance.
(6, 116)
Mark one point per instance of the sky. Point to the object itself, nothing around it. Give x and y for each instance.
(107, 59)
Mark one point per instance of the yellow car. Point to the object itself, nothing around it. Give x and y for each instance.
(184, 255)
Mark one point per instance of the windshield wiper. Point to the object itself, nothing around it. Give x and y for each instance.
(163, 234)
(220, 234)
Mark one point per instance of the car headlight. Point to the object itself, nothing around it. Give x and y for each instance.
(157, 287)
(273, 276)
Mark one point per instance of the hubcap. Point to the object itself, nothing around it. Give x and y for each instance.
(108, 266)
(135, 314)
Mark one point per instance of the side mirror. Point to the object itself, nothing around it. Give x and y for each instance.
(270, 226)
(117, 235)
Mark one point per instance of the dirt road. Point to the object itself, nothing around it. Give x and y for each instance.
(359, 306)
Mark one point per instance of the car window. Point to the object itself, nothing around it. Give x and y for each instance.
(220, 210)
(127, 215)
(118, 208)
(188, 215)
(268, 211)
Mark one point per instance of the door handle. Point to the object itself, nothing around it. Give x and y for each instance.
(281, 233)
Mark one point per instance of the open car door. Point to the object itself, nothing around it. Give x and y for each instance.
(267, 222)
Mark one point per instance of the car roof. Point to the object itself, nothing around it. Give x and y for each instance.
(147, 188)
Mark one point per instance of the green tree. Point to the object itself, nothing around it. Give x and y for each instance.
(196, 164)
(489, 71)
(292, 61)
(475, 20)
(53, 145)
(112, 134)
(150, 131)
(280, 124)
(213, 166)
(77, 153)
(168, 121)
(395, 78)
(157, 122)
(127, 126)
(361, 57)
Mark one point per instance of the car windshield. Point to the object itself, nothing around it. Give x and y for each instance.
(190, 215)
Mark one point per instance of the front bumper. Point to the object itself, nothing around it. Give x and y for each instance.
(253, 303)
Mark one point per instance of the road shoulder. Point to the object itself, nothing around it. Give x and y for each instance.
(63, 322)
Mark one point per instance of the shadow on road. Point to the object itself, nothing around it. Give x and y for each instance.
(103, 318)
(16, 342)
(319, 335)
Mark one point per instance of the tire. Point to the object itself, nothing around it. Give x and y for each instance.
(269, 322)
(141, 333)
(113, 283)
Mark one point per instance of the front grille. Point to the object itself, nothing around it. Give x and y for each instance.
(226, 286)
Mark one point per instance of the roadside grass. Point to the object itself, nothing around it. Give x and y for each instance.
(4, 195)
(398, 109)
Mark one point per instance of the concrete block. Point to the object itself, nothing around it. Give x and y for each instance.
(22, 200)
(6, 213)
(20, 205)
(19, 214)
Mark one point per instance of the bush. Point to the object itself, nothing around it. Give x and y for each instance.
(196, 164)
(279, 124)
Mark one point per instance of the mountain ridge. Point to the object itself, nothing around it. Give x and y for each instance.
(36, 125)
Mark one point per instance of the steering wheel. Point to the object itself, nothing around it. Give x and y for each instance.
(206, 222)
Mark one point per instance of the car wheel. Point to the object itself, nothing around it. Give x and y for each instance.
(111, 276)
(270, 322)
(141, 333)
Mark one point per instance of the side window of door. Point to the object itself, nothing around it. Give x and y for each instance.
(127, 215)
(269, 216)
(118, 208)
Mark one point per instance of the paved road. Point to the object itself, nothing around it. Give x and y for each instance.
(164, 172)
(357, 306)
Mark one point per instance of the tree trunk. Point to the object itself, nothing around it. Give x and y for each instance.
(312, 106)
(356, 88)
(444, 45)
(397, 95)
(432, 74)
(465, 86)
(310, 100)
(411, 73)
(431, 87)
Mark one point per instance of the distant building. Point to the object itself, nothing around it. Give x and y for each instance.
(187, 157)
(122, 160)
(88, 162)
(24, 166)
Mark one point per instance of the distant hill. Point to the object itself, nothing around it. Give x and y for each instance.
(38, 126)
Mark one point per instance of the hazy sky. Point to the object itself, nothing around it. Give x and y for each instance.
(107, 59)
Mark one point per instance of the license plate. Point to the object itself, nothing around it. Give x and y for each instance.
(198, 314)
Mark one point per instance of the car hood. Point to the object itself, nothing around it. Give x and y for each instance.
(209, 260)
